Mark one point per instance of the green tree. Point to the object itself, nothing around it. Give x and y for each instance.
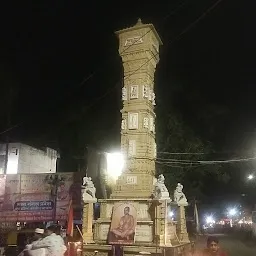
(174, 138)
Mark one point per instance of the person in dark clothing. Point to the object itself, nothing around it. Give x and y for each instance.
(213, 248)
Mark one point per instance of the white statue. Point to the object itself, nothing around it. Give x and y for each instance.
(151, 124)
(132, 148)
(145, 122)
(133, 120)
(124, 93)
(155, 150)
(179, 196)
(153, 99)
(160, 190)
(134, 92)
(88, 189)
(123, 125)
(149, 94)
(145, 91)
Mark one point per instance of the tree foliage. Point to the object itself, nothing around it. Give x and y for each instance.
(174, 138)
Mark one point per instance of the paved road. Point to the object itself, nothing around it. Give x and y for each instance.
(233, 245)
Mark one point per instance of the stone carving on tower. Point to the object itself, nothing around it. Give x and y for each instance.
(139, 50)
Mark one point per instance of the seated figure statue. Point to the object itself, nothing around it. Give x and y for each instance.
(179, 196)
(125, 230)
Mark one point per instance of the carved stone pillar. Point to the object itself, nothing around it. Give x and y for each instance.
(87, 223)
(162, 237)
(88, 192)
(182, 226)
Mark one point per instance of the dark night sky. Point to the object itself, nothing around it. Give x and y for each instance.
(48, 47)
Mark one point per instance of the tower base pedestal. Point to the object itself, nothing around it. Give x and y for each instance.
(107, 250)
(155, 231)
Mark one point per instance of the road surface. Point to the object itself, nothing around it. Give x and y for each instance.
(234, 245)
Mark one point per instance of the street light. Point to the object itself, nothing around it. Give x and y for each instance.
(232, 212)
(171, 214)
(115, 165)
(210, 220)
(250, 177)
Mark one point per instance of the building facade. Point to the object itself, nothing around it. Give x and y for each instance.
(26, 159)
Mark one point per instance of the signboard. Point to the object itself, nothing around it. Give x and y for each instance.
(33, 197)
(64, 196)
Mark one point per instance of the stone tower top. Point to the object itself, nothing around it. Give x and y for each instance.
(139, 22)
(141, 29)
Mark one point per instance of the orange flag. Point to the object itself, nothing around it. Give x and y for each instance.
(70, 225)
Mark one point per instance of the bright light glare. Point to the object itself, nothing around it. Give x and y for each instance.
(232, 212)
(210, 220)
(171, 214)
(115, 164)
(250, 177)
(12, 166)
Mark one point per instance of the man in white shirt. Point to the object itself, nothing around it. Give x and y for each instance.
(37, 252)
(53, 244)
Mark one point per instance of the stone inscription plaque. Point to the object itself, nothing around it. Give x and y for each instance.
(131, 180)
(103, 231)
(143, 211)
(144, 233)
(171, 230)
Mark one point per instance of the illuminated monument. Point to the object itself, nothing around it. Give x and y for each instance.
(137, 188)
(139, 50)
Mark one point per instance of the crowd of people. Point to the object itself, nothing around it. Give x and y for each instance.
(45, 243)
(49, 242)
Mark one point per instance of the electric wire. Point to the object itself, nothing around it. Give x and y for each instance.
(175, 39)
(206, 162)
(174, 165)
(89, 77)
(154, 55)
(11, 128)
(182, 153)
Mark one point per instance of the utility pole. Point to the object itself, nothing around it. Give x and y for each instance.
(196, 217)
(54, 181)
(8, 125)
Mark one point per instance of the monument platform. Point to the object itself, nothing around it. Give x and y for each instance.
(155, 230)
(107, 250)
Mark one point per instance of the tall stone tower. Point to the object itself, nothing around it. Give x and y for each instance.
(155, 233)
(139, 50)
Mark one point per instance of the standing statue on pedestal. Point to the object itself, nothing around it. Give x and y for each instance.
(160, 190)
(179, 196)
(88, 190)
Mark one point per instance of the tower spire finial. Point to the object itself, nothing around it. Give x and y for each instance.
(139, 22)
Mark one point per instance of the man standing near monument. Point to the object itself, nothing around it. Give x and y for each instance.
(38, 236)
(126, 227)
(53, 243)
(213, 248)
